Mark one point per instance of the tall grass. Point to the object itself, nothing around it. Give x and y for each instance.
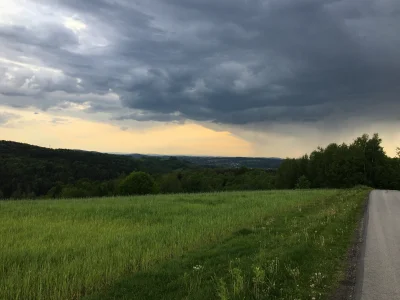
(70, 248)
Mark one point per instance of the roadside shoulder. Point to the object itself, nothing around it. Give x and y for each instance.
(350, 286)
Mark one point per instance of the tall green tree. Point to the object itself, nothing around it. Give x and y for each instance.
(363, 162)
(316, 169)
(287, 174)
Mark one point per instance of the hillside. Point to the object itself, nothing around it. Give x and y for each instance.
(35, 172)
(32, 170)
(234, 162)
(266, 163)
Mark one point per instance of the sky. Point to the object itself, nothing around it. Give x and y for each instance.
(273, 78)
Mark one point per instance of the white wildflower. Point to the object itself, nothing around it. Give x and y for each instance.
(198, 267)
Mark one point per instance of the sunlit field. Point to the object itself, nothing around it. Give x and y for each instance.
(233, 245)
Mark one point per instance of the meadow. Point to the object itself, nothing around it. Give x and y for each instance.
(231, 245)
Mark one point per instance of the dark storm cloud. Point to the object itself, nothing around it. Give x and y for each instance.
(151, 117)
(225, 61)
(52, 37)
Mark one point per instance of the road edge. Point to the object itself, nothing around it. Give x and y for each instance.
(350, 287)
(360, 260)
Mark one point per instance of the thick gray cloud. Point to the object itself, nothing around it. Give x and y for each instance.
(222, 61)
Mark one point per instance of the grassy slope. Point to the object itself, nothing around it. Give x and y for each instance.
(204, 246)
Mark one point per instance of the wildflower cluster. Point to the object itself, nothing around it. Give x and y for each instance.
(315, 284)
(198, 267)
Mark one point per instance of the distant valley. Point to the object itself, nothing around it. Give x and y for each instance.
(225, 162)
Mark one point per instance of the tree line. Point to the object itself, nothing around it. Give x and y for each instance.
(35, 172)
(28, 171)
(363, 162)
(183, 181)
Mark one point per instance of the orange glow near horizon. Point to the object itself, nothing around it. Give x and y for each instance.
(74, 133)
(171, 139)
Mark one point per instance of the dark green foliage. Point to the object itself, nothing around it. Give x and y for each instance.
(343, 166)
(55, 191)
(28, 171)
(170, 183)
(137, 183)
(74, 192)
(303, 183)
(233, 162)
(195, 182)
(287, 174)
(211, 180)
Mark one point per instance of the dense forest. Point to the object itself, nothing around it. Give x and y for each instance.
(234, 162)
(266, 163)
(363, 162)
(28, 171)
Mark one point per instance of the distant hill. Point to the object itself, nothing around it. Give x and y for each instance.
(34, 170)
(234, 162)
(29, 171)
(226, 162)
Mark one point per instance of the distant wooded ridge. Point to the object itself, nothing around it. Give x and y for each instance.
(224, 161)
(28, 171)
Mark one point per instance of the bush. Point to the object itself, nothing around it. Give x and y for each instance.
(74, 192)
(137, 183)
(303, 183)
(170, 184)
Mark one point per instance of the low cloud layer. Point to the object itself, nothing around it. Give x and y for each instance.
(227, 62)
(6, 117)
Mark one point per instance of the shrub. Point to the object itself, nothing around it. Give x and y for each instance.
(137, 183)
(303, 183)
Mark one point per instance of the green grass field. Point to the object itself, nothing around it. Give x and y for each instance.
(236, 245)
